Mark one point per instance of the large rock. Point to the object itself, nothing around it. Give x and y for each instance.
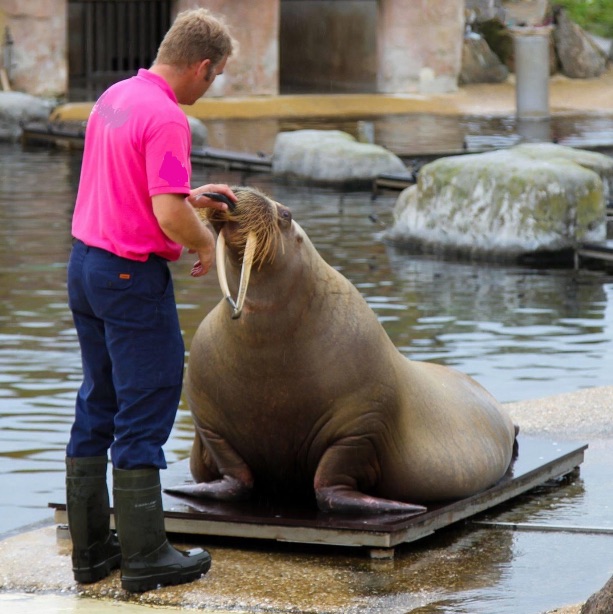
(198, 130)
(331, 157)
(483, 10)
(526, 200)
(580, 57)
(600, 164)
(479, 63)
(499, 40)
(16, 109)
(600, 602)
(604, 44)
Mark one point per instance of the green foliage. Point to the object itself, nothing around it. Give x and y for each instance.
(595, 16)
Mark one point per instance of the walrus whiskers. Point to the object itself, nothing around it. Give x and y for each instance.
(254, 212)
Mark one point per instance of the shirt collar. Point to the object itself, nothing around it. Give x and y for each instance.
(143, 73)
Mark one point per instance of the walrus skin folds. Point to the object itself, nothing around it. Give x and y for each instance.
(305, 393)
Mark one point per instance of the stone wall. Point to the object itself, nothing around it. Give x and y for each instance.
(419, 45)
(38, 31)
(254, 68)
(413, 46)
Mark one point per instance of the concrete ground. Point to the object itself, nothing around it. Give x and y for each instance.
(35, 570)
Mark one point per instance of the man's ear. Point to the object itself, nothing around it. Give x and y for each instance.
(203, 68)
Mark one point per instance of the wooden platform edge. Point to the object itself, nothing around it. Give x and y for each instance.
(501, 493)
(378, 541)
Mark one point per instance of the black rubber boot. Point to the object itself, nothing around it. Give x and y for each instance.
(95, 549)
(148, 559)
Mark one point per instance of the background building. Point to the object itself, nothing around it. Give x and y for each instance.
(75, 48)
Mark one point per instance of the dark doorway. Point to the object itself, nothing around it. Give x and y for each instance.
(109, 40)
(328, 46)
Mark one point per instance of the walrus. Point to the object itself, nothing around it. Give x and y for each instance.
(296, 389)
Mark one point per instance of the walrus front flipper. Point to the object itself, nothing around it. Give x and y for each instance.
(226, 489)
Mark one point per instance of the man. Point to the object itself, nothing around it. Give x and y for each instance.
(134, 213)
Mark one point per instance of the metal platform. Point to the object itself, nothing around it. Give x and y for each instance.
(234, 160)
(391, 181)
(73, 135)
(65, 135)
(602, 251)
(538, 461)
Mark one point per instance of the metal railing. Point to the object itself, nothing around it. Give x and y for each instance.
(109, 40)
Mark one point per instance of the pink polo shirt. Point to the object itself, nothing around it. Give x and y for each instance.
(137, 145)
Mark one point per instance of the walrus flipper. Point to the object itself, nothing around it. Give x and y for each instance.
(344, 500)
(346, 464)
(235, 480)
(226, 489)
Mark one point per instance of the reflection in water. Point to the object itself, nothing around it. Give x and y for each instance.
(409, 135)
(432, 570)
(523, 333)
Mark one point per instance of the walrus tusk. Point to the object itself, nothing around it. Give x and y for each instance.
(248, 256)
(252, 243)
(220, 257)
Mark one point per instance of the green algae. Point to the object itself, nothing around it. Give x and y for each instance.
(525, 198)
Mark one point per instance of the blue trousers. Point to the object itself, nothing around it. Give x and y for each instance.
(132, 352)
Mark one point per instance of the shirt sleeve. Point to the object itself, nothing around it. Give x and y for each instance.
(167, 159)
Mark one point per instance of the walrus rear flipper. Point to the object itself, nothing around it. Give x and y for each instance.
(347, 466)
(344, 500)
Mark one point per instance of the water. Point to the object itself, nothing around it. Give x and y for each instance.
(418, 135)
(523, 333)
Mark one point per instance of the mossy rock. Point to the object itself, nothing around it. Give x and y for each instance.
(529, 199)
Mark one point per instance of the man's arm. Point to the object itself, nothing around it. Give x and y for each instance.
(180, 223)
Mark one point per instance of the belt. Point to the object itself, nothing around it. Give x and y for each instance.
(76, 241)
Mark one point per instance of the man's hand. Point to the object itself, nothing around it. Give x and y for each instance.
(196, 199)
(206, 258)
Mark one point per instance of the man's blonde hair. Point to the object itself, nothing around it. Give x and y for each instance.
(195, 35)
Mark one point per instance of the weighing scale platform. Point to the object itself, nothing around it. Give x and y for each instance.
(538, 461)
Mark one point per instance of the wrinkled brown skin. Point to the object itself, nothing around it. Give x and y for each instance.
(305, 392)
